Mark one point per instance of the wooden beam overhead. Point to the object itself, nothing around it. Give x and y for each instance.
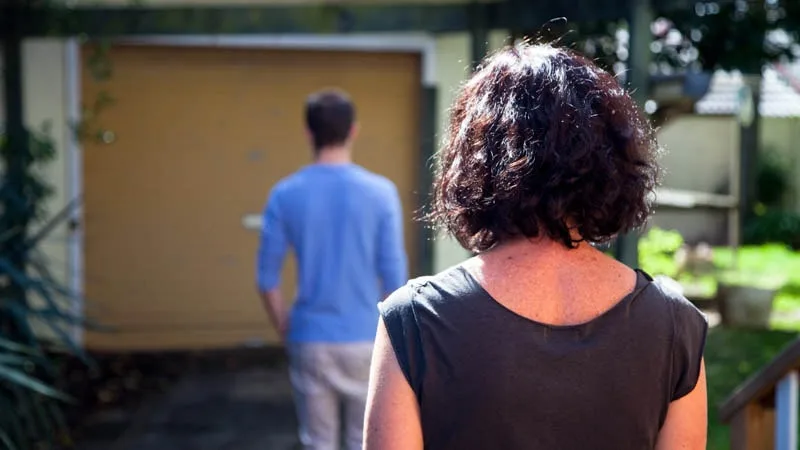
(310, 18)
(282, 19)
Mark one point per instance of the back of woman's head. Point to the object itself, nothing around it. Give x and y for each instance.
(543, 143)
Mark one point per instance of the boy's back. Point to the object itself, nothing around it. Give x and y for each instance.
(345, 226)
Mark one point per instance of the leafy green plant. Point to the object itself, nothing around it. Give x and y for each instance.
(657, 251)
(36, 312)
(748, 278)
(659, 255)
(774, 262)
(774, 226)
(773, 179)
(770, 221)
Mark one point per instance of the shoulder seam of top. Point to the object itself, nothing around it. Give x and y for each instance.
(673, 339)
(421, 366)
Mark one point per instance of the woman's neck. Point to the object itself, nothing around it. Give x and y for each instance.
(545, 281)
(538, 251)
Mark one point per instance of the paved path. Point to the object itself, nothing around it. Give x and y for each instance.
(245, 410)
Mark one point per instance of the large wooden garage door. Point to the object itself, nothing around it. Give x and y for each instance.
(199, 138)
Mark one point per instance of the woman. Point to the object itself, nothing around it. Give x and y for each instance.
(541, 341)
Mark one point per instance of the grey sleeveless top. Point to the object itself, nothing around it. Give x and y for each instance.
(487, 378)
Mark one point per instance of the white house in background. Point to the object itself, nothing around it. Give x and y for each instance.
(702, 148)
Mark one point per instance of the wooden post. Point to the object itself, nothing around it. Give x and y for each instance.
(752, 428)
(478, 33)
(17, 209)
(639, 19)
(427, 124)
(786, 412)
(749, 121)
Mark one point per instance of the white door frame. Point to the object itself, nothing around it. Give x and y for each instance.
(423, 44)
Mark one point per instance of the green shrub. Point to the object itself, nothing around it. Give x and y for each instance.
(31, 415)
(657, 251)
(773, 180)
(773, 226)
(770, 221)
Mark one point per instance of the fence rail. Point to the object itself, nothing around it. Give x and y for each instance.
(763, 411)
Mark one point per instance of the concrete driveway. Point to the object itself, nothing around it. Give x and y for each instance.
(239, 410)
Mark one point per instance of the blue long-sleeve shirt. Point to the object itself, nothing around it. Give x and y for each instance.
(345, 227)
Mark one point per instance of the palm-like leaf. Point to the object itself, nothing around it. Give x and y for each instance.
(30, 407)
(13, 375)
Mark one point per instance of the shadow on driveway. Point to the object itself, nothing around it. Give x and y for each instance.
(238, 410)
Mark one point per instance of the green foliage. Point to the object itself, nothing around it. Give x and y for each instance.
(100, 67)
(772, 258)
(657, 251)
(598, 40)
(770, 222)
(773, 226)
(36, 191)
(30, 406)
(773, 180)
(32, 301)
(764, 266)
(740, 34)
(771, 266)
(736, 277)
(776, 262)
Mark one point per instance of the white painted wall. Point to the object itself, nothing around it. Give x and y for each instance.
(44, 106)
(44, 94)
(699, 152)
(698, 156)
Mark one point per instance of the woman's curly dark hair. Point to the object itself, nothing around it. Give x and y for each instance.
(541, 142)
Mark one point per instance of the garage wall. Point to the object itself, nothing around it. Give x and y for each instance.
(201, 135)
